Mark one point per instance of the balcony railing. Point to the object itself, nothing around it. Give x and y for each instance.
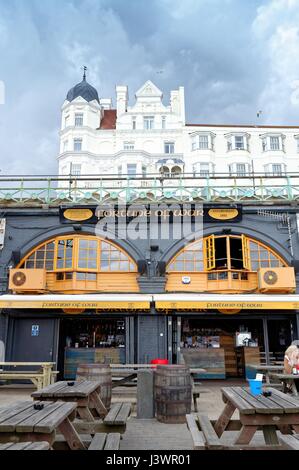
(95, 189)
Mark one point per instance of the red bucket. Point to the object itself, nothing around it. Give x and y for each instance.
(161, 362)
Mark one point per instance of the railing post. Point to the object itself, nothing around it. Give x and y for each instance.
(289, 189)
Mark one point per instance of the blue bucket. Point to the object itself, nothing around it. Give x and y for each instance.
(255, 386)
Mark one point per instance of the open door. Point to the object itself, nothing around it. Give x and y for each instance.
(209, 253)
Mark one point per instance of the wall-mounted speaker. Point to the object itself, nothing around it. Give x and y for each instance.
(161, 268)
(16, 257)
(142, 266)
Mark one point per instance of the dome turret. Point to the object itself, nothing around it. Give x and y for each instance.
(83, 89)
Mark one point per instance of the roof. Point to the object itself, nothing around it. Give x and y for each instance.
(84, 90)
(242, 125)
(109, 119)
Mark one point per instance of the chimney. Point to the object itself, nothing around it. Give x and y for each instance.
(121, 99)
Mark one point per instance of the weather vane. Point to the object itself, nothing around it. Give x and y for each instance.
(85, 70)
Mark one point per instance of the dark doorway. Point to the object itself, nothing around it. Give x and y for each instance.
(220, 253)
(279, 332)
(236, 253)
(33, 340)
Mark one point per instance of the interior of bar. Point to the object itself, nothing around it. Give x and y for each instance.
(91, 340)
(226, 347)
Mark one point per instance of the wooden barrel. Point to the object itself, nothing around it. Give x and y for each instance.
(173, 393)
(100, 372)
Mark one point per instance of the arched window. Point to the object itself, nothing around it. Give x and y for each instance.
(223, 253)
(164, 170)
(79, 253)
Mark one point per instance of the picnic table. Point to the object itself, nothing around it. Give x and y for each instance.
(41, 378)
(86, 394)
(288, 381)
(129, 372)
(278, 411)
(267, 370)
(21, 422)
(25, 446)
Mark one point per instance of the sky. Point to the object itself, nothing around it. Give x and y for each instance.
(234, 58)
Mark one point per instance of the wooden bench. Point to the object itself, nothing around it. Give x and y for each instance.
(207, 438)
(36, 378)
(25, 446)
(290, 442)
(115, 420)
(103, 441)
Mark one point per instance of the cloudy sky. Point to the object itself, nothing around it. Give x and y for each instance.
(234, 58)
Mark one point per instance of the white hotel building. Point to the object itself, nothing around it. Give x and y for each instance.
(151, 138)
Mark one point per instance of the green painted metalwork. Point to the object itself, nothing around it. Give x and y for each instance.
(56, 190)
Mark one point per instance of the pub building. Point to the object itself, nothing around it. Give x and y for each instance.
(220, 301)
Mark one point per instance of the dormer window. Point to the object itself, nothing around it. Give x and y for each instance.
(237, 142)
(273, 143)
(202, 141)
(148, 122)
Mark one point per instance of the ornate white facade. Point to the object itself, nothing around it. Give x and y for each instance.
(153, 138)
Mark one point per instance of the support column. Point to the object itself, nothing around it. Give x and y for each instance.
(297, 326)
(266, 339)
(169, 339)
(145, 394)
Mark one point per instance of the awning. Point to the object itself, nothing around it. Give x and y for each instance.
(78, 302)
(226, 302)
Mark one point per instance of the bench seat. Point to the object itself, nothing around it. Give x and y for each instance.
(103, 441)
(290, 442)
(118, 414)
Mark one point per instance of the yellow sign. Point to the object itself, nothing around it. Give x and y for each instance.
(78, 214)
(73, 305)
(223, 214)
(229, 305)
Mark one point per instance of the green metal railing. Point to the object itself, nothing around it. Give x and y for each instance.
(92, 189)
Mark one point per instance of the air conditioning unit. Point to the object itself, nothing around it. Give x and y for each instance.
(276, 280)
(27, 280)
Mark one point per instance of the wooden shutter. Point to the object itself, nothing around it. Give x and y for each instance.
(246, 253)
(209, 253)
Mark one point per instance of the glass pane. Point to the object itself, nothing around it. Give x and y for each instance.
(83, 243)
(68, 263)
(253, 246)
(59, 263)
(104, 255)
(264, 264)
(115, 255)
(198, 266)
(49, 265)
(254, 265)
(93, 244)
(189, 256)
(114, 266)
(104, 264)
(123, 256)
(179, 266)
(92, 253)
(105, 246)
(92, 263)
(124, 266)
(29, 264)
(189, 266)
(132, 267)
(254, 255)
(275, 263)
(82, 263)
(39, 264)
(264, 254)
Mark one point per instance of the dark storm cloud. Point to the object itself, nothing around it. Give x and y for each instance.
(230, 55)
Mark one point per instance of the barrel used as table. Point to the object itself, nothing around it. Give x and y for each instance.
(172, 393)
(100, 372)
